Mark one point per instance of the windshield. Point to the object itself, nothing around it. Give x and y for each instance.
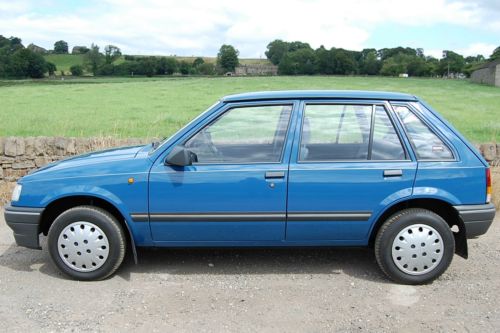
(158, 145)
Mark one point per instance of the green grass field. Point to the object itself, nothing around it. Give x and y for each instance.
(156, 107)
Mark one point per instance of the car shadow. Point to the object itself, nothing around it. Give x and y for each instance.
(358, 263)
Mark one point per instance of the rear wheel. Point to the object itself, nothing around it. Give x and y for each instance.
(414, 246)
(86, 243)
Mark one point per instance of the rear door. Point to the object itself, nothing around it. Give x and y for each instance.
(347, 164)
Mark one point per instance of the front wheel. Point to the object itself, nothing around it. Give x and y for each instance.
(414, 246)
(86, 243)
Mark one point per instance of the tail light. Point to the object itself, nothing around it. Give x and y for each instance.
(488, 185)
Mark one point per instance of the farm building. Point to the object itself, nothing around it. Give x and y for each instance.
(36, 48)
(257, 70)
(488, 74)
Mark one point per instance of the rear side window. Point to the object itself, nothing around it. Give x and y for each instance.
(336, 132)
(427, 145)
(386, 143)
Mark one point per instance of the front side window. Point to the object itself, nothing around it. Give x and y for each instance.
(337, 132)
(427, 145)
(254, 134)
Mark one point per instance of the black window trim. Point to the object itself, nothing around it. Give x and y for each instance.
(291, 103)
(373, 104)
(431, 128)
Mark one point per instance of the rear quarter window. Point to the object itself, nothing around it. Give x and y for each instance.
(427, 145)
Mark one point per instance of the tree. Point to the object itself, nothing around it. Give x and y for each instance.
(451, 63)
(345, 61)
(185, 67)
(93, 59)
(370, 64)
(111, 53)
(395, 65)
(301, 61)
(61, 47)
(206, 69)
(496, 54)
(148, 66)
(325, 61)
(276, 50)
(171, 65)
(198, 62)
(51, 68)
(227, 58)
(76, 70)
(26, 63)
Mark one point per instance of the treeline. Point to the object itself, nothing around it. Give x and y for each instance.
(16, 61)
(293, 58)
(104, 64)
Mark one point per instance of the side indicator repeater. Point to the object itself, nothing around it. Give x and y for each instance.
(131, 180)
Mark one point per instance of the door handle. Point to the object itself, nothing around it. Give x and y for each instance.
(275, 174)
(393, 173)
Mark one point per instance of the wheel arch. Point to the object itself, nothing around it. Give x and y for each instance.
(59, 205)
(441, 207)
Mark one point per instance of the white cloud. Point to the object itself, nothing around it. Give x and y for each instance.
(473, 49)
(200, 27)
(478, 48)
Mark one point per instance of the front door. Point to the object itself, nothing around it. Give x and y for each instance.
(236, 191)
(348, 163)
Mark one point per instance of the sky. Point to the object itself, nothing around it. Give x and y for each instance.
(199, 28)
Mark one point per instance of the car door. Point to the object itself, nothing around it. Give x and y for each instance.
(348, 163)
(236, 191)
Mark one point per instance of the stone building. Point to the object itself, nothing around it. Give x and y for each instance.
(488, 74)
(256, 70)
(36, 48)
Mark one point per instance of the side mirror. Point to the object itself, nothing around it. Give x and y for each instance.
(181, 156)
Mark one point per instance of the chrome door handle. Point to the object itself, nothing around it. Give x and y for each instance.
(393, 173)
(275, 174)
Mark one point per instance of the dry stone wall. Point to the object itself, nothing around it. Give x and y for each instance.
(19, 155)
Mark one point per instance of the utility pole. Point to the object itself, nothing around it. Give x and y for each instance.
(445, 55)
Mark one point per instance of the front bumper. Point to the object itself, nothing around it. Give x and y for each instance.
(25, 222)
(477, 218)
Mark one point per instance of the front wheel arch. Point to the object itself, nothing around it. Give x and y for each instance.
(57, 207)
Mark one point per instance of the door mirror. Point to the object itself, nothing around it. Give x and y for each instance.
(181, 156)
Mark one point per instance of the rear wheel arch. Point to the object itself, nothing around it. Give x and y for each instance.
(58, 206)
(440, 207)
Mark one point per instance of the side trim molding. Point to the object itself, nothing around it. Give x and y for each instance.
(329, 216)
(251, 217)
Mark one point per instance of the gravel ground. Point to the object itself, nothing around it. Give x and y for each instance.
(251, 290)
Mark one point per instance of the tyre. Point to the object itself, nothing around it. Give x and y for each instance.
(86, 243)
(414, 246)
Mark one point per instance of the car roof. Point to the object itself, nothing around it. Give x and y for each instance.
(318, 94)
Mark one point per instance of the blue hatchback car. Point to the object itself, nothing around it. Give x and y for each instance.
(290, 168)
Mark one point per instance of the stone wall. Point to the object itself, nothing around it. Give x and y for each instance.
(487, 75)
(20, 155)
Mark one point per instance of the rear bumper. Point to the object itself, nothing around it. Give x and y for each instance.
(477, 218)
(25, 222)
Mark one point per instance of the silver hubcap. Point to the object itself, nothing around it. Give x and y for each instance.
(417, 249)
(83, 246)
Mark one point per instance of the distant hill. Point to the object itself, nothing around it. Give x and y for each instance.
(64, 61)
